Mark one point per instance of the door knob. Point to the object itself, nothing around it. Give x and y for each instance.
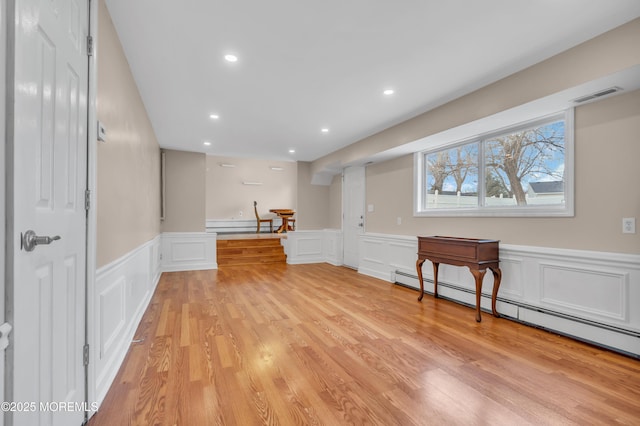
(29, 240)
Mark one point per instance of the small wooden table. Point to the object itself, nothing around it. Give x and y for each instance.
(477, 255)
(285, 215)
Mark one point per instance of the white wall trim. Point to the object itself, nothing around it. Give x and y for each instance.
(3, 65)
(238, 225)
(189, 251)
(332, 246)
(304, 247)
(124, 289)
(381, 255)
(583, 256)
(92, 216)
(122, 293)
(585, 294)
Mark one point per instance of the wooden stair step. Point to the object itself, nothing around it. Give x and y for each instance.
(237, 246)
(251, 260)
(249, 242)
(250, 251)
(249, 254)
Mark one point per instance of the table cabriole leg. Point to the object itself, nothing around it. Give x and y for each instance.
(435, 279)
(419, 263)
(479, 276)
(497, 279)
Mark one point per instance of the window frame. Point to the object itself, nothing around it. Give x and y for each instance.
(481, 210)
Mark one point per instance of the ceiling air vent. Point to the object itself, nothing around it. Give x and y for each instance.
(598, 95)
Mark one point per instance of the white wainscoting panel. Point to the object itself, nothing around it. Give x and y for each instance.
(513, 278)
(332, 246)
(112, 308)
(188, 251)
(123, 291)
(303, 247)
(382, 255)
(593, 292)
(592, 296)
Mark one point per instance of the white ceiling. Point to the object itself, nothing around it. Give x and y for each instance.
(305, 65)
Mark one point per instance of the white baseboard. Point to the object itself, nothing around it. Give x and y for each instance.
(123, 291)
(588, 295)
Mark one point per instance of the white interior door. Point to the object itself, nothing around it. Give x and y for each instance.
(49, 175)
(353, 213)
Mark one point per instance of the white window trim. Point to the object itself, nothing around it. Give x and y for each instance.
(566, 210)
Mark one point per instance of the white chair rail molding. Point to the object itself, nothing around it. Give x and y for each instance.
(591, 296)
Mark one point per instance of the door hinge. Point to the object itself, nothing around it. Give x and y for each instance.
(87, 199)
(85, 355)
(5, 330)
(89, 45)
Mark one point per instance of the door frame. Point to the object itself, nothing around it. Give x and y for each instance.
(7, 61)
(92, 215)
(3, 81)
(344, 203)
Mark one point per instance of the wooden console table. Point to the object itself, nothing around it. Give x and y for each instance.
(477, 255)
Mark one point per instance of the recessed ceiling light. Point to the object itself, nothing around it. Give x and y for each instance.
(207, 143)
(214, 116)
(277, 169)
(292, 151)
(231, 58)
(324, 130)
(388, 92)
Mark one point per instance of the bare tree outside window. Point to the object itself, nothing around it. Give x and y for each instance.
(532, 155)
(452, 177)
(438, 170)
(517, 168)
(464, 164)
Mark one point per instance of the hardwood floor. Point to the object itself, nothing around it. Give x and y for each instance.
(324, 345)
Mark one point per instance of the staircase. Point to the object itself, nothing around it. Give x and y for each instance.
(250, 251)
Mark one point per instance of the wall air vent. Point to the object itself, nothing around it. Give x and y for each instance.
(598, 95)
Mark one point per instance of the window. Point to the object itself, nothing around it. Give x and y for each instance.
(523, 170)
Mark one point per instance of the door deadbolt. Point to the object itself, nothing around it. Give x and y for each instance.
(29, 240)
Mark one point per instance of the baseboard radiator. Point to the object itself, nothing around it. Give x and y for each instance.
(518, 305)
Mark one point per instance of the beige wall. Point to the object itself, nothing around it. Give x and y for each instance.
(313, 201)
(128, 164)
(606, 155)
(335, 203)
(128, 175)
(611, 52)
(227, 196)
(606, 190)
(185, 189)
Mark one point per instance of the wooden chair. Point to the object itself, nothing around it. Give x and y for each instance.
(291, 222)
(259, 221)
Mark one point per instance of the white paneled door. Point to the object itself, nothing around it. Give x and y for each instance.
(48, 182)
(353, 214)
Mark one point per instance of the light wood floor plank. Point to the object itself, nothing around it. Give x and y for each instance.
(324, 345)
